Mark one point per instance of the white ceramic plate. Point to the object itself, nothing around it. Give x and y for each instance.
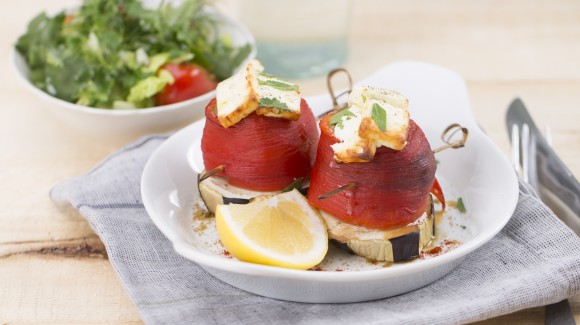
(479, 173)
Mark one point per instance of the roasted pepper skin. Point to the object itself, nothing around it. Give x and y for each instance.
(391, 190)
(260, 153)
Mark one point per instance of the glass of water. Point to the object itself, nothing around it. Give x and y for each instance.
(299, 38)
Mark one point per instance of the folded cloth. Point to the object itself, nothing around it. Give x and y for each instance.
(533, 261)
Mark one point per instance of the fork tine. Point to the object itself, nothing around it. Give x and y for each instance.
(525, 145)
(516, 149)
(548, 135)
(533, 163)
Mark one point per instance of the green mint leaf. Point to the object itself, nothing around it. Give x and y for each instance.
(364, 98)
(265, 75)
(460, 205)
(336, 119)
(379, 115)
(272, 102)
(278, 85)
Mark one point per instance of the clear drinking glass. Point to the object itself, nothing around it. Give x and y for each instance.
(298, 38)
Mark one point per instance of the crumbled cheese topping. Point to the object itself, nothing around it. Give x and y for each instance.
(375, 118)
(252, 90)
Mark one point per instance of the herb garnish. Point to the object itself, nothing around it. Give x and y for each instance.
(379, 115)
(296, 184)
(269, 76)
(273, 102)
(460, 205)
(278, 85)
(364, 98)
(336, 119)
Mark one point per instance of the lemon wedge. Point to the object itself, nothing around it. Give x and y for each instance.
(282, 230)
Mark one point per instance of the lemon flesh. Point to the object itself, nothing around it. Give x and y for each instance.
(282, 230)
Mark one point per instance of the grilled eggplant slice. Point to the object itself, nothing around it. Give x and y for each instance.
(216, 190)
(394, 245)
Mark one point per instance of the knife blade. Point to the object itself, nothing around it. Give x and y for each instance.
(551, 178)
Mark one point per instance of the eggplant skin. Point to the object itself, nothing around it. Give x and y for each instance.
(406, 247)
(211, 198)
(394, 245)
(216, 190)
(234, 200)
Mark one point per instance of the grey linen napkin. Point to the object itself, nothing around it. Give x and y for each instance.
(533, 261)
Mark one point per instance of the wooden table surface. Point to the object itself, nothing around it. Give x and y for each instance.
(53, 268)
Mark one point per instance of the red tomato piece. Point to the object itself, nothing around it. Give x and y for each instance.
(190, 81)
(438, 192)
(260, 153)
(68, 19)
(391, 189)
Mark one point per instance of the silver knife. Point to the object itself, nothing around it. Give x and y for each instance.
(553, 181)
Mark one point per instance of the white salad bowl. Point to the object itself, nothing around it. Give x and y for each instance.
(478, 173)
(131, 122)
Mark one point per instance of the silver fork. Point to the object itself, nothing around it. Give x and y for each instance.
(523, 152)
(521, 147)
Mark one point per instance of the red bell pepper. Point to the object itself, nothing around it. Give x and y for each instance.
(391, 190)
(260, 153)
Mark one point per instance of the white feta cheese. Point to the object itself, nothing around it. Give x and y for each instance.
(360, 94)
(252, 90)
(236, 97)
(352, 147)
(379, 117)
(273, 91)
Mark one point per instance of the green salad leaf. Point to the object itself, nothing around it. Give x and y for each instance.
(108, 53)
(149, 86)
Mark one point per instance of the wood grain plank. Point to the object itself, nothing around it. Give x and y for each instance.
(83, 247)
(57, 290)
